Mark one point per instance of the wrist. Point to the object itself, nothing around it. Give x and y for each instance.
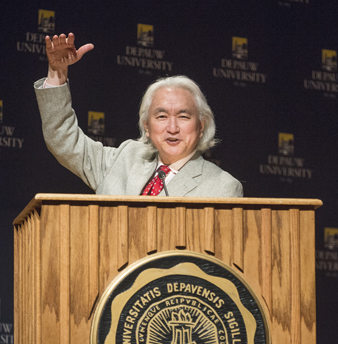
(57, 77)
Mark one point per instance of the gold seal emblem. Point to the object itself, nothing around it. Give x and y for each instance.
(181, 298)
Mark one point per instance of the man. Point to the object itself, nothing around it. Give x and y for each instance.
(176, 126)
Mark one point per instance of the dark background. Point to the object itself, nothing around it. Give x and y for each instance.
(285, 40)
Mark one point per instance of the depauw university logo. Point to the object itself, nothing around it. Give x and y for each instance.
(7, 138)
(331, 238)
(329, 60)
(179, 298)
(1, 114)
(96, 123)
(46, 21)
(239, 69)
(286, 144)
(285, 165)
(240, 48)
(145, 35)
(325, 79)
(143, 56)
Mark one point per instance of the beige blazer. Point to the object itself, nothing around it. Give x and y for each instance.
(123, 170)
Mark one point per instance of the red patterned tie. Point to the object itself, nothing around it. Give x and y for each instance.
(156, 185)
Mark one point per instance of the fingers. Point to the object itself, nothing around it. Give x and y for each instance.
(62, 39)
(59, 40)
(48, 42)
(55, 42)
(71, 38)
(62, 52)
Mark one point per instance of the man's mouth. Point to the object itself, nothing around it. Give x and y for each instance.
(172, 140)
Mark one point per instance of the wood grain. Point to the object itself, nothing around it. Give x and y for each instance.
(22, 282)
(30, 279)
(209, 230)
(266, 256)
(26, 282)
(180, 228)
(79, 273)
(295, 275)
(166, 228)
(195, 229)
(280, 275)
(50, 274)
(223, 235)
(122, 236)
(93, 250)
(16, 283)
(66, 257)
(237, 239)
(64, 273)
(137, 229)
(37, 267)
(108, 246)
(252, 253)
(37, 201)
(307, 273)
(151, 229)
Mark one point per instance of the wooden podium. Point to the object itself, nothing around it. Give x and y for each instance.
(68, 248)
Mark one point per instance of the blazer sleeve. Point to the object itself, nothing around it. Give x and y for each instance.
(86, 158)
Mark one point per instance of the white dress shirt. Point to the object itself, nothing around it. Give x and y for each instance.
(174, 168)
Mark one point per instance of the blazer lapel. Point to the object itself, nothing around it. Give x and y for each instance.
(186, 178)
(139, 175)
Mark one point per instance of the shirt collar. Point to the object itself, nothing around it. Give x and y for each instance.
(177, 165)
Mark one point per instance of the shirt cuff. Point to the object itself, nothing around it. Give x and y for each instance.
(45, 85)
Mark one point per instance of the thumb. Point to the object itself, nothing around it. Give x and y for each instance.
(84, 49)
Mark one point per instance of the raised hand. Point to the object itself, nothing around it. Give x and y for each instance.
(61, 53)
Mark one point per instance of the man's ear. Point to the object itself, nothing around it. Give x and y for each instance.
(202, 123)
(145, 124)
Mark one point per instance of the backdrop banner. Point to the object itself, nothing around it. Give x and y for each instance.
(267, 68)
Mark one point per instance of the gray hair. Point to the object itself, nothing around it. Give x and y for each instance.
(204, 112)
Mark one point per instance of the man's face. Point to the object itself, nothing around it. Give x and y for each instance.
(173, 125)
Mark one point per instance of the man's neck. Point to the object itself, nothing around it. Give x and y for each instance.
(177, 165)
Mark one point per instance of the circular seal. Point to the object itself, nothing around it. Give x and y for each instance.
(179, 298)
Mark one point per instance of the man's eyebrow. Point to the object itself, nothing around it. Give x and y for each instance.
(159, 109)
(188, 111)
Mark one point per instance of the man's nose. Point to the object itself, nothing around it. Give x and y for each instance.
(173, 126)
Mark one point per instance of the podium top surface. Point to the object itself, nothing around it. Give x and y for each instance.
(84, 199)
